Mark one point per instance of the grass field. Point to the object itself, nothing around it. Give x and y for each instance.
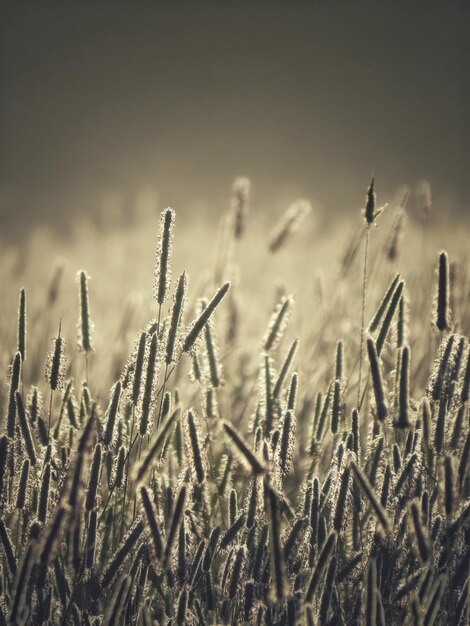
(240, 423)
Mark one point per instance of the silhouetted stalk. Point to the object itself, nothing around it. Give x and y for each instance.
(363, 313)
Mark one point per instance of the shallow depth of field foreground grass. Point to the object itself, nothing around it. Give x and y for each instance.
(276, 433)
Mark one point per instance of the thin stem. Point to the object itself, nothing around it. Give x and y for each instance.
(363, 394)
(167, 376)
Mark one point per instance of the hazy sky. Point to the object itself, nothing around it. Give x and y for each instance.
(306, 99)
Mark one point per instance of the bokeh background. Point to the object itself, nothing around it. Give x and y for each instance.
(107, 106)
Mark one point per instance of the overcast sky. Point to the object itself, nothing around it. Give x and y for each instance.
(305, 99)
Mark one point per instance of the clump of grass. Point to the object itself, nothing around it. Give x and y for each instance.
(257, 490)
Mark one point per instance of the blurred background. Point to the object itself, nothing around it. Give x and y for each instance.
(108, 106)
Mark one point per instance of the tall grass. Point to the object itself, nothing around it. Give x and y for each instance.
(234, 476)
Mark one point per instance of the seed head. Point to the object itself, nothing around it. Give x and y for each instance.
(85, 325)
(442, 318)
(56, 363)
(176, 317)
(288, 224)
(369, 210)
(240, 205)
(198, 325)
(164, 248)
(195, 452)
(22, 325)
